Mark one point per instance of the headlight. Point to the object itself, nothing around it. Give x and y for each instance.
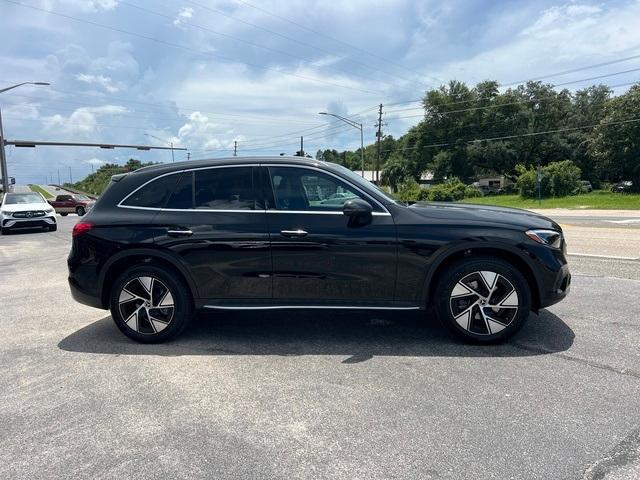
(6, 214)
(551, 238)
(49, 210)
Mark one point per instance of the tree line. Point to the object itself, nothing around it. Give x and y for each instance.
(470, 131)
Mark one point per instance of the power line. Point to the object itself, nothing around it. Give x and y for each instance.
(530, 134)
(316, 32)
(290, 39)
(485, 107)
(237, 39)
(189, 49)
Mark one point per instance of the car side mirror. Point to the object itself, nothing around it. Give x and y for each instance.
(358, 210)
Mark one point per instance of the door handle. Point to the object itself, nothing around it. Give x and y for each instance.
(179, 233)
(293, 233)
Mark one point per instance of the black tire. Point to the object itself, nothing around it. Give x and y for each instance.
(53, 228)
(140, 327)
(64, 214)
(5, 231)
(482, 324)
(80, 211)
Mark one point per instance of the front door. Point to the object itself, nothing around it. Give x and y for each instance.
(215, 224)
(319, 256)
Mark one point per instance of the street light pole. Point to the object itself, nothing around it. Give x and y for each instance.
(354, 124)
(3, 156)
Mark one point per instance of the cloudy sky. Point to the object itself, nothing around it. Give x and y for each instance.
(205, 73)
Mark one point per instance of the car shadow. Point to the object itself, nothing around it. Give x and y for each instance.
(359, 336)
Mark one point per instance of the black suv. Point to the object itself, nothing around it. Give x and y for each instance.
(282, 233)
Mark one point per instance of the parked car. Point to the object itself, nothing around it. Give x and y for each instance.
(26, 210)
(236, 234)
(72, 203)
(585, 186)
(622, 187)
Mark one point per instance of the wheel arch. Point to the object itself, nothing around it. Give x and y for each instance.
(140, 256)
(504, 252)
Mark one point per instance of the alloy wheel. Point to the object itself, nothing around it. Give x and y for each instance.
(146, 305)
(484, 302)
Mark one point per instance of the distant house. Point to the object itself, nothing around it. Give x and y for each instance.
(425, 179)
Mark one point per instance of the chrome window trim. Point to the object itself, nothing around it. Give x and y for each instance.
(309, 167)
(176, 173)
(386, 212)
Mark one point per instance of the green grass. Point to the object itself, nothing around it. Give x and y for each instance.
(599, 199)
(36, 188)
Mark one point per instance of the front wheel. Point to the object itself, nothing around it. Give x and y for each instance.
(150, 304)
(483, 300)
(53, 228)
(64, 214)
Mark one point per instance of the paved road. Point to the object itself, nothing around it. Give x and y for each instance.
(308, 395)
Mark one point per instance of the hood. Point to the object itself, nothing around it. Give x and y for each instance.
(483, 215)
(23, 207)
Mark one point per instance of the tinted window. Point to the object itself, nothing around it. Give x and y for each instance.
(229, 188)
(305, 189)
(154, 194)
(182, 197)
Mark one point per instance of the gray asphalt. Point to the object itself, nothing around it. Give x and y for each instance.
(308, 395)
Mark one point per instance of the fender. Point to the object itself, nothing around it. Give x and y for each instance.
(153, 253)
(447, 251)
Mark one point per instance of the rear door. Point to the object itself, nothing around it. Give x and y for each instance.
(319, 256)
(217, 227)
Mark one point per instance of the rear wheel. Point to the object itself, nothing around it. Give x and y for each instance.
(150, 304)
(5, 231)
(53, 228)
(80, 211)
(483, 300)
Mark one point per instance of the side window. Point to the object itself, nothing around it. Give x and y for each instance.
(306, 189)
(227, 188)
(154, 194)
(182, 196)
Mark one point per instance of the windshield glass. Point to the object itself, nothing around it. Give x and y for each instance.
(361, 182)
(17, 198)
(81, 197)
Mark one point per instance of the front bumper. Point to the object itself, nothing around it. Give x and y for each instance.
(559, 289)
(36, 222)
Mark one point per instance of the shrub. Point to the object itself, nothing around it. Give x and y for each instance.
(450, 191)
(558, 179)
(409, 190)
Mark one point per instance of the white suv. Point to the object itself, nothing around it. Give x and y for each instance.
(26, 210)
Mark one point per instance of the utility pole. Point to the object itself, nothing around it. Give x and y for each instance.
(188, 156)
(59, 182)
(301, 146)
(379, 138)
(235, 148)
(70, 177)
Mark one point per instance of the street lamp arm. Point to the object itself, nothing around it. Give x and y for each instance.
(348, 121)
(21, 84)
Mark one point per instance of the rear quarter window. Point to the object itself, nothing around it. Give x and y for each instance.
(154, 194)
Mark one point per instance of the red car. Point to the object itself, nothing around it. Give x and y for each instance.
(66, 204)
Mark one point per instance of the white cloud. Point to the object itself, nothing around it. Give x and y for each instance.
(184, 15)
(95, 161)
(105, 82)
(91, 5)
(83, 120)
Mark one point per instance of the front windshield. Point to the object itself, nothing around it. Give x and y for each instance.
(361, 182)
(18, 198)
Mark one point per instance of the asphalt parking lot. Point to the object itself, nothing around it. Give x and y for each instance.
(316, 395)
